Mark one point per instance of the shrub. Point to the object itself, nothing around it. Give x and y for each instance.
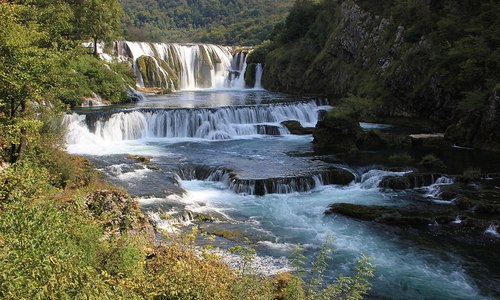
(401, 158)
(432, 163)
(23, 181)
(46, 253)
(472, 174)
(352, 107)
(108, 80)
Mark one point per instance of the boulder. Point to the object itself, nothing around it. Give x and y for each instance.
(337, 134)
(296, 128)
(396, 216)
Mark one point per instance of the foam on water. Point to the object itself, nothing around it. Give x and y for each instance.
(433, 191)
(404, 271)
(372, 178)
(493, 230)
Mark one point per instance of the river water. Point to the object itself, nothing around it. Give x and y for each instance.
(196, 138)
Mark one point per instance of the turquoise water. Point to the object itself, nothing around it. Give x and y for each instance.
(405, 269)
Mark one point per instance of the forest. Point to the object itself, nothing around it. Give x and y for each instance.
(436, 61)
(225, 22)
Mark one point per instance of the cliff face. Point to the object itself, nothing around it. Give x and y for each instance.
(412, 61)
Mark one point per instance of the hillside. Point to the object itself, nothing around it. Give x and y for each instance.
(228, 22)
(425, 60)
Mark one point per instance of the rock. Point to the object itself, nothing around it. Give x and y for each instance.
(322, 114)
(409, 181)
(94, 101)
(3, 166)
(395, 183)
(268, 130)
(463, 203)
(376, 139)
(140, 158)
(296, 128)
(428, 140)
(381, 214)
(448, 195)
(337, 176)
(372, 140)
(337, 134)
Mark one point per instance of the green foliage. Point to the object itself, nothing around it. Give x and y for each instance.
(472, 174)
(46, 253)
(430, 60)
(259, 54)
(23, 180)
(98, 20)
(301, 17)
(401, 158)
(431, 162)
(314, 287)
(352, 107)
(230, 22)
(108, 80)
(123, 256)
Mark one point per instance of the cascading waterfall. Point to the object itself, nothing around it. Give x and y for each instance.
(258, 76)
(260, 187)
(184, 66)
(204, 123)
(236, 77)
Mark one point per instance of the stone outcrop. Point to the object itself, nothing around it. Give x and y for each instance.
(296, 128)
(409, 181)
(337, 134)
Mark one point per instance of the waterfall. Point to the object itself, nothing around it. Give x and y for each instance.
(236, 77)
(279, 185)
(203, 123)
(184, 66)
(372, 178)
(258, 77)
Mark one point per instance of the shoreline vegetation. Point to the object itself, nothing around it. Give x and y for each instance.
(64, 231)
(440, 68)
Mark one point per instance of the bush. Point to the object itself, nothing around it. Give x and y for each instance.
(22, 181)
(472, 174)
(401, 158)
(108, 80)
(352, 107)
(48, 254)
(432, 163)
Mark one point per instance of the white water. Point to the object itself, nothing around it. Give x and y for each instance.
(372, 178)
(196, 65)
(258, 76)
(209, 124)
(274, 221)
(493, 230)
(402, 272)
(434, 190)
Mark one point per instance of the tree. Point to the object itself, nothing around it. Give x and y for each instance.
(98, 20)
(22, 76)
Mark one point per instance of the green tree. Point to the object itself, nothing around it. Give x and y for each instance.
(98, 20)
(22, 76)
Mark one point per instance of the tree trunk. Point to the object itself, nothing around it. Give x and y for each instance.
(95, 47)
(17, 152)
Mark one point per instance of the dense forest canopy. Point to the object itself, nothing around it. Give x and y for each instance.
(227, 22)
(434, 60)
